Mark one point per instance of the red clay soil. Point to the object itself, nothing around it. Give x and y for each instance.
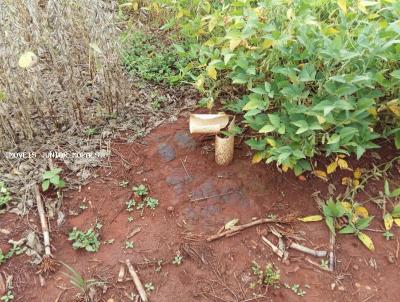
(179, 168)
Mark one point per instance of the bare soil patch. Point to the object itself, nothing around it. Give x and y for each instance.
(178, 168)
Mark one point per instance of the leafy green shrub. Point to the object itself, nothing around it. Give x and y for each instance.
(81, 240)
(318, 76)
(146, 58)
(52, 177)
(5, 196)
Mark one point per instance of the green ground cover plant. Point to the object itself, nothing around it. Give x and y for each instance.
(317, 77)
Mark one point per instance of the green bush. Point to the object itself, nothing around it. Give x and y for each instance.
(318, 76)
(146, 57)
(81, 240)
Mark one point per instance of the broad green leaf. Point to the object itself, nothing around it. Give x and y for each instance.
(348, 229)
(330, 223)
(45, 185)
(267, 129)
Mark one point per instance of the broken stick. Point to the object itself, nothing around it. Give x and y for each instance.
(137, 282)
(307, 250)
(43, 222)
(236, 229)
(332, 251)
(274, 248)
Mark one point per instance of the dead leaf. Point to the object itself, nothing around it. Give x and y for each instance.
(347, 181)
(357, 173)
(320, 174)
(230, 224)
(331, 167)
(343, 164)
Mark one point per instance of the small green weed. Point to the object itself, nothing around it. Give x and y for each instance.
(149, 287)
(129, 245)
(270, 276)
(5, 196)
(151, 203)
(7, 297)
(178, 259)
(80, 283)
(90, 131)
(140, 190)
(81, 240)
(130, 205)
(52, 177)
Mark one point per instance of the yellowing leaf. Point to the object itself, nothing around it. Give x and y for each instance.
(27, 60)
(200, 83)
(230, 224)
(373, 112)
(342, 164)
(257, 157)
(331, 31)
(271, 142)
(320, 174)
(346, 181)
(357, 173)
(321, 119)
(356, 182)
(362, 7)
(388, 221)
(393, 106)
(347, 206)
(397, 221)
(212, 72)
(311, 218)
(366, 240)
(234, 43)
(343, 5)
(285, 168)
(361, 212)
(331, 168)
(267, 44)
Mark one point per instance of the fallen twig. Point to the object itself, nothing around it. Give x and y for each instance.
(184, 167)
(332, 251)
(317, 265)
(133, 233)
(213, 196)
(121, 274)
(307, 250)
(136, 280)
(239, 228)
(47, 265)
(274, 248)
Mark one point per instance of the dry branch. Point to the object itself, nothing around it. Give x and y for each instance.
(332, 251)
(307, 250)
(236, 229)
(274, 248)
(43, 222)
(136, 280)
